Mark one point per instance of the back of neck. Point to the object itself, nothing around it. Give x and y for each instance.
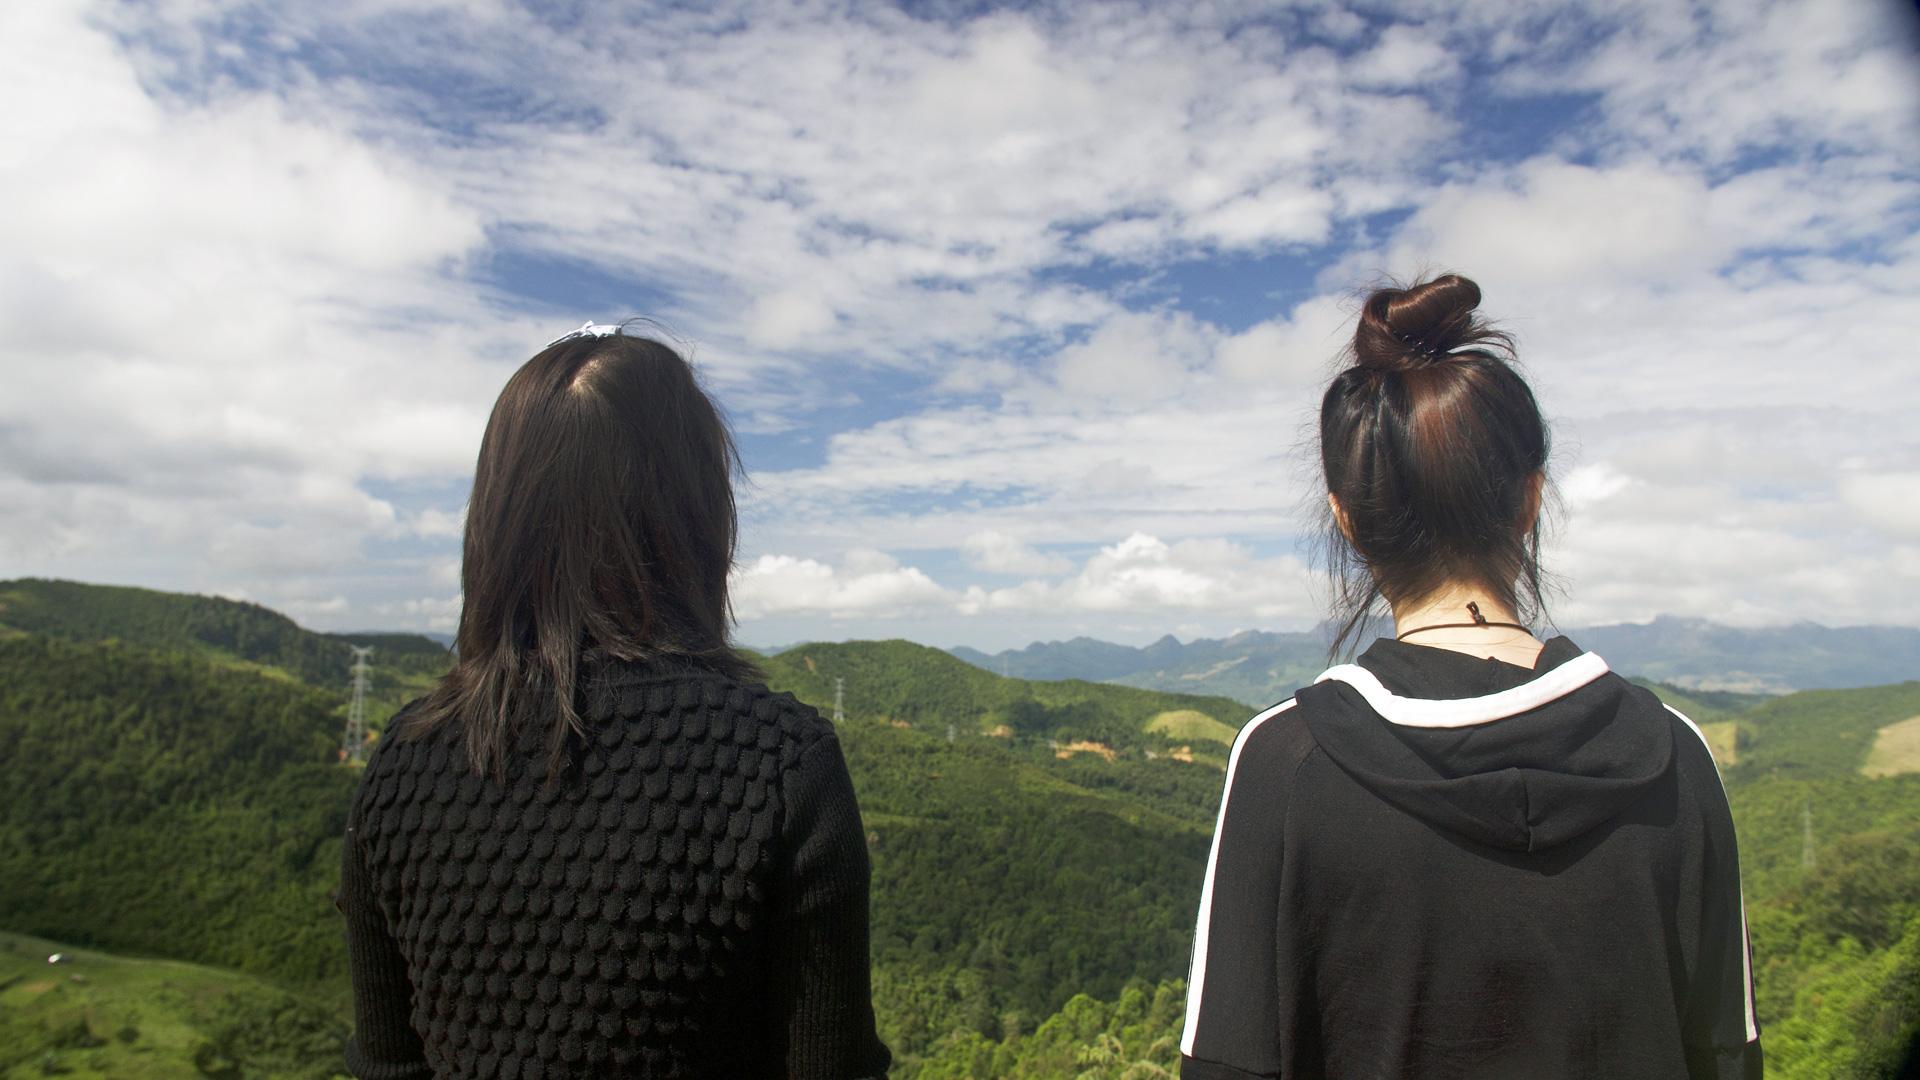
(1469, 621)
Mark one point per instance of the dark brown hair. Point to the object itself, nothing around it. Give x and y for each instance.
(602, 523)
(1431, 442)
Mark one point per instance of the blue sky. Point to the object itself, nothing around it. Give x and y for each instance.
(1021, 311)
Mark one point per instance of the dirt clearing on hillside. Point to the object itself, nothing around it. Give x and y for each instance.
(1896, 750)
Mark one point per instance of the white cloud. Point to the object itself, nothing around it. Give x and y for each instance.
(996, 552)
(221, 315)
(1888, 501)
(1145, 574)
(1295, 351)
(331, 607)
(434, 523)
(868, 584)
(259, 310)
(1132, 356)
(1405, 56)
(1590, 484)
(441, 613)
(1725, 76)
(788, 319)
(1140, 575)
(1562, 224)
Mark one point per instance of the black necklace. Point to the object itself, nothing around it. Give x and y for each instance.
(1479, 621)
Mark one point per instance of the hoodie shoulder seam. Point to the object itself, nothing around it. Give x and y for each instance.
(1274, 720)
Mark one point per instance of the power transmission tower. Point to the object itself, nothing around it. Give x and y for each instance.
(839, 700)
(1806, 838)
(354, 749)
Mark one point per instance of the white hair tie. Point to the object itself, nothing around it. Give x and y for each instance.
(587, 329)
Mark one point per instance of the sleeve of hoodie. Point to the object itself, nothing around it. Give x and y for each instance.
(1721, 1035)
(1240, 1021)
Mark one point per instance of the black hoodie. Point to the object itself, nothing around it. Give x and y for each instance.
(1433, 865)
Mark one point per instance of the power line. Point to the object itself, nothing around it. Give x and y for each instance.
(1806, 837)
(353, 748)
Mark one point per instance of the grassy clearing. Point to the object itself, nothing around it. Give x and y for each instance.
(1191, 724)
(1896, 750)
(1723, 741)
(106, 1016)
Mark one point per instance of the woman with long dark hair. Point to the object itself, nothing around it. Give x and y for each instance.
(1471, 852)
(600, 846)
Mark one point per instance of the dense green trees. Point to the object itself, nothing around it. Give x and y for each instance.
(1031, 914)
(1133, 1037)
(914, 684)
(171, 803)
(170, 806)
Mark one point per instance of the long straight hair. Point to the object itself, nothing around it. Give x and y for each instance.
(602, 523)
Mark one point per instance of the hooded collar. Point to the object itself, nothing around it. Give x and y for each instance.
(1516, 758)
(1422, 686)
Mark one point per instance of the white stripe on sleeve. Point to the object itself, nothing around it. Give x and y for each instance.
(1197, 973)
(1746, 939)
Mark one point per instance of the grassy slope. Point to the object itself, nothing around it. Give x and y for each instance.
(1191, 724)
(120, 1018)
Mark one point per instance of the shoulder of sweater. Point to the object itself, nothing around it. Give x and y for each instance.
(780, 718)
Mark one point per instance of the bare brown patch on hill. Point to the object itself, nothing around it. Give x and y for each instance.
(1896, 750)
(1081, 746)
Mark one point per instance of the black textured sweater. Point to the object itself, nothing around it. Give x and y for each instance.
(689, 899)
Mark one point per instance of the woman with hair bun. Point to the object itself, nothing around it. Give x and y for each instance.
(1469, 852)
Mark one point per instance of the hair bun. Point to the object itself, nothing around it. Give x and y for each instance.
(1424, 324)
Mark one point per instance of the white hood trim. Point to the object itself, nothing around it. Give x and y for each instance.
(1465, 712)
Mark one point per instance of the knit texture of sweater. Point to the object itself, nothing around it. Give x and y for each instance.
(687, 899)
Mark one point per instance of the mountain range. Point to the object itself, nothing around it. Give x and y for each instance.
(1260, 667)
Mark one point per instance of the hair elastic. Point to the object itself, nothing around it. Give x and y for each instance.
(1421, 347)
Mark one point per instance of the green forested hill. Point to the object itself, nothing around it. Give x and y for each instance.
(1002, 887)
(1031, 913)
(915, 684)
(215, 629)
(169, 806)
(173, 804)
(1831, 868)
